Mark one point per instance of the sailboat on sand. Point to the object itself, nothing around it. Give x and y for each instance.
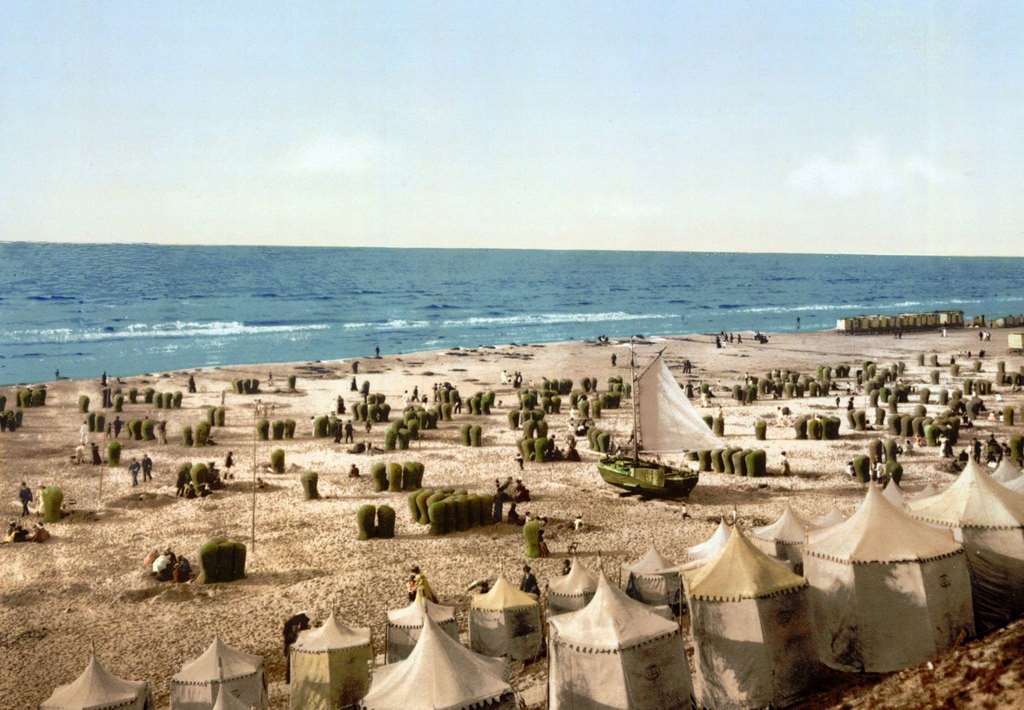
(664, 423)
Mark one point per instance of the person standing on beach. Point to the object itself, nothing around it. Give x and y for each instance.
(191, 384)
(798, 322)
(25, 496)
(161, 429)
(615, 359)
(133, 469)
(147, 467)
(349, 432)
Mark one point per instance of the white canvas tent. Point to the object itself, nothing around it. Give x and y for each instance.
(1006, 471)
(894, 494)
(887, 591)
(653, 579)
(572, 591)
(227, 701)
(195, 686)
(988, 520)
(440, 674)
(784, 539)
(616, 653)
(669, 423)
(330, 667)
(704, 551)
(99, 689)
(505, 622)
(1016, 485)
(403, 627)
(751, 624)
(832, 517)
(927, 491)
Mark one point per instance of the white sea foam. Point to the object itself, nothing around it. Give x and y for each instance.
(175, 329)
(552, 318)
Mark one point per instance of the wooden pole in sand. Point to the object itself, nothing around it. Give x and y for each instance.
(255, 416)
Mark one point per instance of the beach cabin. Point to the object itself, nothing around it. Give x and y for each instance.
(404, 625)
(99, 689)
(1015, 341)
(330, 666)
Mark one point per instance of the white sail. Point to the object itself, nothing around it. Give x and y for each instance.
(668, 422)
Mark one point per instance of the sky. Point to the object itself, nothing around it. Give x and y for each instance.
(728, 126)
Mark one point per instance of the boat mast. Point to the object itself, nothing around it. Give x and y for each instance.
(633, 399)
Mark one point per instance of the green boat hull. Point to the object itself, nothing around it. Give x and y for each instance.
(648, 479)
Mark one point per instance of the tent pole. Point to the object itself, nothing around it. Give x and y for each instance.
(633, 399)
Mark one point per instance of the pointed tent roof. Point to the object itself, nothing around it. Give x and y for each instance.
(502, 596)
(832, 517)
(741, 571)
(790, 529)
(1016, 485)
(651, 562)
(578, 582)
(412, 616)
(218, 662)
(974, 499)
(227, 701)
(611, 621)
(710, 547)
(440, 673)
(894, 494)
(669, 423)
(1006, 471)
(95, 688)
(331, 637)
(880, 532)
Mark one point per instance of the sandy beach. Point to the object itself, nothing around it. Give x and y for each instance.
(87, 588)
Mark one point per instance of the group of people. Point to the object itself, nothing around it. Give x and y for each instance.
(16, 532)
(167, 567)
(511, 378)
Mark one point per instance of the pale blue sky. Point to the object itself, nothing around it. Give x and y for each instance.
(763, 126)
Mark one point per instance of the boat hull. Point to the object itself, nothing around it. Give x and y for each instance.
(648, 479)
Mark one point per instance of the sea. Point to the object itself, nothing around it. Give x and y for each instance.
(130, 309)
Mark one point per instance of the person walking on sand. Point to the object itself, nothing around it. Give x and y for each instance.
(615, 359)
(191, 384)
(83, 433)
(117, 426)
(349, 432)
(147, 467)
(25, 496)
(161, 429)
(133, 469)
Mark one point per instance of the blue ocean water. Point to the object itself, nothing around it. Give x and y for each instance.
(128, 309)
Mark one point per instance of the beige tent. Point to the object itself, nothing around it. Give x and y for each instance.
(832, 517)
(1006, 471)
(227, 701)
(616, 653)
(712, 546)
(894, 494)
(505, 622)
(988, 519)
(653, 579)
(195, 686)
(99, 689)
(572, 591)
(751, 623)
(440, 674)
(330, 666)
(669, 423)
(1016, 485)
(887, 591)
(403, 627)
(784, 538)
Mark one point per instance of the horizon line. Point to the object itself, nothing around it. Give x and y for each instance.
(500, 248)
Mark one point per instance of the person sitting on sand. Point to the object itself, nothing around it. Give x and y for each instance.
(785, 464)
(182, 571)
(190, 489)
(520, 493)
(38, 534)
(15, 533)
(357, 448)
(513, 516)
(163, 566)
(850, 471)
(353, 471)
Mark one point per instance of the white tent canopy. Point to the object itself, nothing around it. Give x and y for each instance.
(330, 666)
(669, 423)
(710, 547)
(988, 518)
(505, 622)
(572, 591)
(653, 579)
(195, 686)
(1006, 471)
(752, 628)
(785, 537)
(440, 674)
(98, 689)
(887, 591)
(616, 653)
(894, 494)
(832, 517)
(403, 627)
(227, 701)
